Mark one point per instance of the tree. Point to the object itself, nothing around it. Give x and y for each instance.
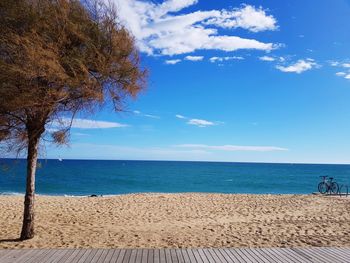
(59, 58)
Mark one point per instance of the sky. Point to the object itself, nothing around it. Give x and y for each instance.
(236, 81)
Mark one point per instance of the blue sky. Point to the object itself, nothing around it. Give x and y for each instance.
(254, 81)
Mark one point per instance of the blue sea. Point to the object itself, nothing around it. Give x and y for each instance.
(86, 177)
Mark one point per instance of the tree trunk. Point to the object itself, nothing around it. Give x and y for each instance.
(28, 214)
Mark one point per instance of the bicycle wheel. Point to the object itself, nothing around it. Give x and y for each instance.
(334, 188)
(322, 187)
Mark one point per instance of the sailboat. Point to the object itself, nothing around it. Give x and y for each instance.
(60, 159)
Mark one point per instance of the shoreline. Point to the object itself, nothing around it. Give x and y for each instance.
(155, 220)
(156, 193)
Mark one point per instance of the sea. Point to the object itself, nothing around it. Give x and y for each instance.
(88, 177)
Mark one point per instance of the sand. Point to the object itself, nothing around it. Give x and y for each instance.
(180, 220)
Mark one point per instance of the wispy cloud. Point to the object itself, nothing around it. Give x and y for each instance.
(221, 59)
(298, 67)
(334, 63)
(340, 74)
(137, 112)
(172, 61)
(159, 30)
(232, 148)
(194, 58)
(267, 58)
(87, 124)
(197, 122)
(200, 123)
(180, 116)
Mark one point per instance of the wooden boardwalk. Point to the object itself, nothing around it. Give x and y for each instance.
(224, 255)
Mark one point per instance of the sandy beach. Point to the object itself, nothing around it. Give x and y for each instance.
(180, 220)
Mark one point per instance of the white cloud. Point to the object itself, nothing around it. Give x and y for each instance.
(233, 148)
(334, 63)
(137, 112)
(200, 123)
(346, 65)
(194, 58)
(247, 17)
(172, 61)
(221, 59)
(267, 58)
(340, 74)
(347, 76)
(298, 67)
(158, 30)
(87, 124)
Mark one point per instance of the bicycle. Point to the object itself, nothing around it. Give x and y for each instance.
(328, 185)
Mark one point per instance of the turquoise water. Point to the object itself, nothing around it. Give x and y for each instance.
(85, 177)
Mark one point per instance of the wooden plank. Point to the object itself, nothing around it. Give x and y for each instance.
(144, 255)
(233, 254)
(315, 257)
(156, 256)
(47, 257)
(326, 256)
(191, 255)
(221, 256)
(271, 257)
(58, 256)
(259, 255)
(33, 256)
(168, 256)
(228, 256)
(103, 256)
(120, 257)
(89, 255)
(110, 254)
(247, 256)
(133, 256)
(283, 256)
(94, 256)
(26, 255)
(179, 255)
(295, 257)
(162, 256)
(173, 256)
(338, 256)
(185, 255)
(13, 255)
(302, 254)
(197, 256)
(342, 251)
(150, 256)
(3, 252)
(127, 256)
(65, 256)
(210, 257)
(205, 255)
(138, 256)
(72, 256)
(242, 255)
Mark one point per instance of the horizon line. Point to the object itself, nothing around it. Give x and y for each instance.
(199, 161)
